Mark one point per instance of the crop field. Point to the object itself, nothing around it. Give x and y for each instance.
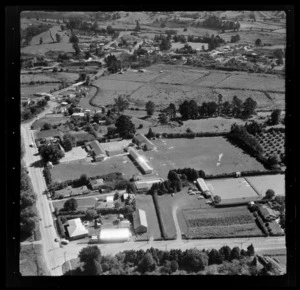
(28, 91)
(265, 182)
(179, 78)
(145, 202)
(220, 223)
(133, 76)
(53, 119)
(200, 153)
(252, 82)
(272, 142)
(232, 189)
(40, 77)
(74, 169)
(212, 79)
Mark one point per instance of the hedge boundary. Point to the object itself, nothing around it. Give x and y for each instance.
(60, 228)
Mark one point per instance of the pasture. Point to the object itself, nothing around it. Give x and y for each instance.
(73, 170)
(220, 223)
(200, 153)
(232, 190)
(145, 202)
(265, 182)
(29, 91)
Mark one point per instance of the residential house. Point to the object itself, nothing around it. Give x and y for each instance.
(143, 142)
(267, 213)
(96, 183)
(76, 229)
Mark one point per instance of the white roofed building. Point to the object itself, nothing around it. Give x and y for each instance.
(76, 229)
(114, 235)
(140, 224)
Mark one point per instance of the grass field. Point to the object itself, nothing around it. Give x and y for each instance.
(200, 153)
(220, 223)
(53, 119)
(265, 182)
(32, 262)
(28, 91)
(73, 170)
(232, 189)
(145, 202)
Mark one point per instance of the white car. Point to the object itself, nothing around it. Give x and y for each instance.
(64, 241)
(200, 197)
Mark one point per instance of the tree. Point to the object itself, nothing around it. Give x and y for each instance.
(90, 214)
(194, 260)
(147, 264)
(71, 204)
(165, 44)
(270, 194)
(174, 266)
(226, 108)
(150, 107)
(51, 153)
(163, 118)
(237, 105)
(235, 253)
(76, 48)
(121, 103)
(83, 179)
(28, 220)
(73, 38)
(41, 40)
(217, 199)
(28, 199)
(258, 42)
(172, 111)
(137, 27)
(273, 161)
(67, 144)
(250, 250)
(249, 107)
(110, 30)
(225, 252)
(275, 116)
(125, 127)
(214, 257)
(46, 126)
(58, 37)
(88, 256)
(150, 134)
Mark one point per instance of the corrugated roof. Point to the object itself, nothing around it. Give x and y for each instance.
(139, 218)
(97, 148)
(140, 138)
(76, 228)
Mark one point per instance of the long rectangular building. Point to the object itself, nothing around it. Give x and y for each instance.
(145, 167)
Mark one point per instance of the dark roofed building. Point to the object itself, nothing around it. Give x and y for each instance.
(143, 142)
(96, 150)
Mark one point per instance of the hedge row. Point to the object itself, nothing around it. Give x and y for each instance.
(158, 213)
(60, 227)
(47, 175)
(73, 212)
(192, 135)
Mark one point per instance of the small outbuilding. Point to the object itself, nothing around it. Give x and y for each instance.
(140, 224)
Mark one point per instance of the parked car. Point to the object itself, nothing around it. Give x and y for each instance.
(64, 241)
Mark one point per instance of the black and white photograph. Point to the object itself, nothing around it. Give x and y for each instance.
(152, 142)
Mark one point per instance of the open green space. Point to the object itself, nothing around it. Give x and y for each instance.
(73, 170)
(201, 154)
(28, 90)
(53, 119)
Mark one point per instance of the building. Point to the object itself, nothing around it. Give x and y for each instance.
(82, 115)
(96, 183)
(140, 224)
(143, 142)
(143, 186)
(202, 185)
(124, 224)
(114, 235)
(96, 150)
(266, 213)
(76, 229)
(141, 161)
(109, 199)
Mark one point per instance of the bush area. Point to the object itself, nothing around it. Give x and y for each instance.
(33, 109)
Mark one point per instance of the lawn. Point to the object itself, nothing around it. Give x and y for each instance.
(220, 223)
(145, 202)
(53, 119)
(28, 91)
(32, 262)
(233, 189)
(201, 154)
(265, 182)
(83, 203)
(74, 169)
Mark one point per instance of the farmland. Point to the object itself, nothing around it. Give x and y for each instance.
(29, 90)
(232, 190)
(73, 170)
(263, 183)
(145, 202)
(200, 153)
(217, 223)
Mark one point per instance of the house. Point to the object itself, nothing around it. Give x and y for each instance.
(267, 213)
(96, 183)
(76, 229)
(140, 160)
(96, 150)
(114, 235)
(140, 224)
(143, 142)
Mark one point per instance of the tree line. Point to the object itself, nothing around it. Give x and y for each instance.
(34, 108)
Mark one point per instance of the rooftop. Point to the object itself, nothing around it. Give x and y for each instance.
(76, 228)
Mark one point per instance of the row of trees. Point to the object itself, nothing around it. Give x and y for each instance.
(237, 108)
(217, 23)
(158, 262)
(34, 109)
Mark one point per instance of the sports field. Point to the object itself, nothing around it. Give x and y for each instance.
(214, 155)
(265, 182)
(232, 189)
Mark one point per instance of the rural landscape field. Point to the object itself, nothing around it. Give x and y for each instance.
(152, 142)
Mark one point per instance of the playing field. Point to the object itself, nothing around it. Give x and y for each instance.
(232, 189)
(214, 155)
(265, 182)
(73, 170)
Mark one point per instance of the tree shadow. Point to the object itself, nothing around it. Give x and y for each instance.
(37, 164)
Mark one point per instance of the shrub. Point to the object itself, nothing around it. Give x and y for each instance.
(159, 217)
(60, 227)
(47, 175)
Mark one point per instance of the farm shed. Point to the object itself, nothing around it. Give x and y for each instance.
(145, 185)
(203, 186)
(96, 183)
(266, 213)
(114, 235)
(96, 150)
(76, 229)
(143, 142)
(140, 160)
(140, 221)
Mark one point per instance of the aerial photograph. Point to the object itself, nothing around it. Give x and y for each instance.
(152, 143)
